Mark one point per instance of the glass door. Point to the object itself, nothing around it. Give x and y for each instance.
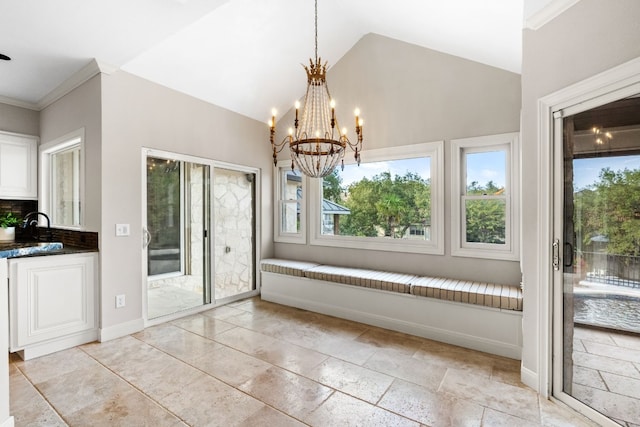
(235, 230)
(597, 261)
(176, 242)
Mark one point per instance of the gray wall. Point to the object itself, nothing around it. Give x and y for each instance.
(590, 37)
(407, 95)
(137, 113)
(19, 120)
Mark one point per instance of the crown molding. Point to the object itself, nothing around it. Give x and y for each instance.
(18, 103)
(550, 11)
(93, 68)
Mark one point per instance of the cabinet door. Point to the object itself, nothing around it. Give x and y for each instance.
(18, 166)
(51, 297)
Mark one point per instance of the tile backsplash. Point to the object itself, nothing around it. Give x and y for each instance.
(19, 207)
(79, 239)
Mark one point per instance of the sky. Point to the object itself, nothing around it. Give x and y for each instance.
(354, 173)
(587, 171)
(486, 166)
(481, 167)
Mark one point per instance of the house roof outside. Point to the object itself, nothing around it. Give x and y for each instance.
(329, 207)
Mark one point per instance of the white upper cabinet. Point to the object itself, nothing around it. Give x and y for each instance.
(18, 166)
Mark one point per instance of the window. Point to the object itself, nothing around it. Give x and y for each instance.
(290, 218)
(62, 163)
(484, 197)
(392, 201)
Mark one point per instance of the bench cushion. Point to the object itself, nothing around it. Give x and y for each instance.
(285, 266)
(383, 280)
(479, 293)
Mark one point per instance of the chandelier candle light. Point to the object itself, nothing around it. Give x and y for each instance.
(316, 143)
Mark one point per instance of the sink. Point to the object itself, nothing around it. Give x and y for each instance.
(53, 245)
(12, 250)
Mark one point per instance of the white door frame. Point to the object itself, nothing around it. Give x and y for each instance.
(213, 164)
(616, 83)
(146, 152)
(257, 203)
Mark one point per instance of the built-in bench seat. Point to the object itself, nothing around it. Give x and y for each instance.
(483, 316)
(486, 294)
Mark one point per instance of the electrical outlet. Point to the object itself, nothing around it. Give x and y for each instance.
(120, 301)
(122, 229)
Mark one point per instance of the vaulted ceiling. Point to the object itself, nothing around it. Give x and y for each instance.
(243, 55)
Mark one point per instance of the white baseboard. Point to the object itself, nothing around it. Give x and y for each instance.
(9, 422)
(47, 347)
(530, 378)
(480, 328)
(121, 330)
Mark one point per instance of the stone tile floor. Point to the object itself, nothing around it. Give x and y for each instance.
(168, 299)
(606, 373)
(253, 363)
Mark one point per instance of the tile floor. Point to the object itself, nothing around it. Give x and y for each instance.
(606, 373)
(254, 363)
(168, 299)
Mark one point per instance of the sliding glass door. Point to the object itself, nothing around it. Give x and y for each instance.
(200, 228)
(597, 259)
(176, 234)
(235, 230)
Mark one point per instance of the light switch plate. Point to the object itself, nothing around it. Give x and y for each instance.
(122, 229)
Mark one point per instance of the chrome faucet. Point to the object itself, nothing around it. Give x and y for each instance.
(31, 220)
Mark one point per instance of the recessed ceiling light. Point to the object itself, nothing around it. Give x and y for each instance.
(4, 57)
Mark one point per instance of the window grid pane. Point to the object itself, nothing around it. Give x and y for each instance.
(65, 187)
(291, 198)
(485, 172)
(389, 200)
(484, 203)
(485, 220)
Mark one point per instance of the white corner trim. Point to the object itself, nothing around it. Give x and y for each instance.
(9, 422)
(550, 11)
(529, 378)
(120, 330)
(93, 68)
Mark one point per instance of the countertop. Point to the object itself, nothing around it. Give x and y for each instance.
(29, 249)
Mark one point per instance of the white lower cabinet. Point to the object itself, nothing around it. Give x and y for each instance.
(52, 303)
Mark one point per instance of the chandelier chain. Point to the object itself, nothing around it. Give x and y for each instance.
(316, 22)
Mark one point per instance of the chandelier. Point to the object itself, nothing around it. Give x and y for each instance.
(601, 136)
(316, 142)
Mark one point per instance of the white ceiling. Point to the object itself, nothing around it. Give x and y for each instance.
(243, 55)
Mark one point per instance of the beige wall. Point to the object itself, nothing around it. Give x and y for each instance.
(136, 114)
(80, 108)
(407, 95)
(19, 120)
(590, 37)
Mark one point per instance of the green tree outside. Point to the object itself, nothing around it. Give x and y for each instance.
(486, 218)
(611, 207)
(387, 205)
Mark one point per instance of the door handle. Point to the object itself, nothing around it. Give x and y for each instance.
(556, 255)
(146, 237)
(568, 254)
